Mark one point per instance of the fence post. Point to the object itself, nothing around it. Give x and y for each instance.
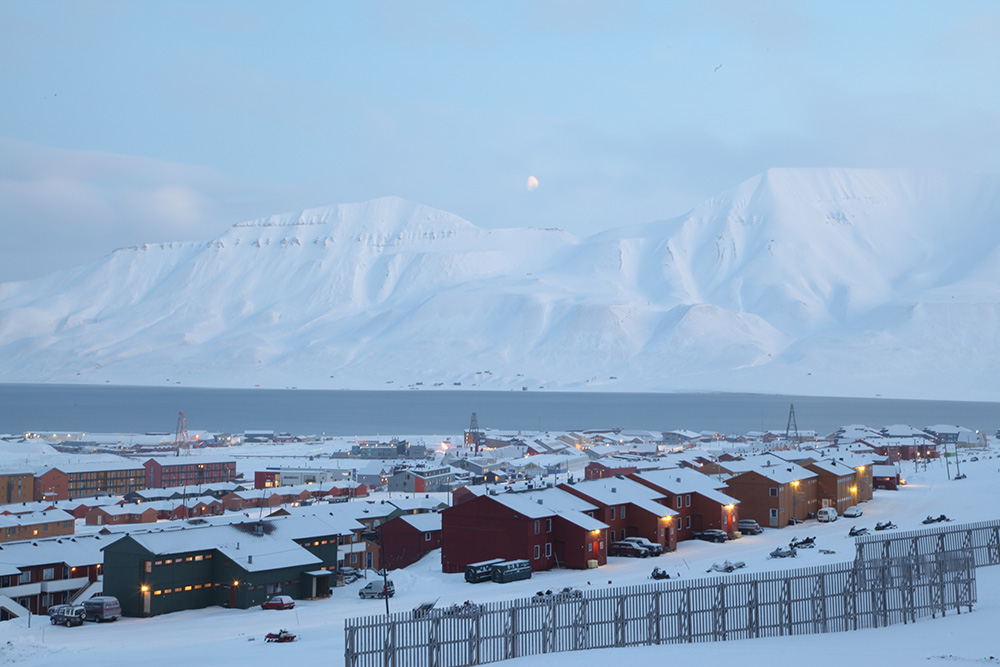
(786, 608)
(653, 619)
(753, 610)
(350, 657)
(620, 622)
(719, 613)
(580, 625)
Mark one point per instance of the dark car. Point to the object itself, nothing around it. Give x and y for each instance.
(712, 535)
(749, 527)
(67, 614)
(628, 549)
(279, 602)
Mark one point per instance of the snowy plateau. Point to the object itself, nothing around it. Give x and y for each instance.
(823, 282)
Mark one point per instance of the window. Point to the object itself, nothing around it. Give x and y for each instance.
(590, 547)
(611, 535)
(548, 550)
(687, 500)
(548, 525)
(679, 502)
(687, 522)
(199, 557)
(427, 537)
(538, 552)
(25, 578)
(612, 513)
(774, 492)
(622, 512)
(538, 528)
(48, 574)
(148, 566)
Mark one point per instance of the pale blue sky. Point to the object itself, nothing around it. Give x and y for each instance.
(125, 122)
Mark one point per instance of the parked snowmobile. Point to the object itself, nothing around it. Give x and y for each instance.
(783, 553)
(659, 574)
(803, 543)
(280, 636)
(886, 525)
(857, 532)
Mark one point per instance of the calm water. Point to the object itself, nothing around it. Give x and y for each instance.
(142, 409)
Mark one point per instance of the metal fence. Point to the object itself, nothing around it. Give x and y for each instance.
(832, 598)
(981, 540)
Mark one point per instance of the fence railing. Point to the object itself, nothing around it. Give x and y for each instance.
(832, 598)
(981, 540)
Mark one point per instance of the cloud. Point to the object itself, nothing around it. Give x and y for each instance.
(72, 207)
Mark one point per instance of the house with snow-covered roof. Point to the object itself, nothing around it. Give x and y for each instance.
(547, 528)
(39, 573)
(409, 537)
(238, 565)
(774, 493)
(629, 508)
(697, 500)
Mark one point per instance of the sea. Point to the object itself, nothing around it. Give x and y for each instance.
(51, 408)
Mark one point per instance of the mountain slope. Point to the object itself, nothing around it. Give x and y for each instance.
(815, 281)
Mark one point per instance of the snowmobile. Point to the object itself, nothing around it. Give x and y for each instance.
(887, 525)
(804, 543)
(857, 532)
(727, 566)
(659, 574)
(936, 519)
(783, 553)
(280, 636)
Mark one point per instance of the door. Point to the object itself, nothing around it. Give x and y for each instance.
(145, 601)
(368, 559)
(773, 517)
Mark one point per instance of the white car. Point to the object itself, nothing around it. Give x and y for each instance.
(852, 512)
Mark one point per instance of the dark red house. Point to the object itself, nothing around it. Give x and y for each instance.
(695, 498)
(187, 471)
(629, 508)
(408, 537)
(545, 528)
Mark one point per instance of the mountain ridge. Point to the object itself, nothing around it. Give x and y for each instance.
(797, 281)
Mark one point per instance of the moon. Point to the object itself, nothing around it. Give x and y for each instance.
(532, 183)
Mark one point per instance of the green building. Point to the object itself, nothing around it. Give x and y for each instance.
(236, 565)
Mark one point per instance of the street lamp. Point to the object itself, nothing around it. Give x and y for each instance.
(795, 497)
(371, 536)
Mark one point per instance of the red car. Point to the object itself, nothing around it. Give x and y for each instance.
(279, 602)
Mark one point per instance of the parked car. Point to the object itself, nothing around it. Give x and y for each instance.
(853, 512)
(279, 602)
(377, 590)
(653, 548)
(102, 608)
(67, 614)
(826, 515)
(712, 535)
(349, 574)
(749, 527)
(628, 549)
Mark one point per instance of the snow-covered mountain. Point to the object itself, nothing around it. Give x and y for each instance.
(798, 281)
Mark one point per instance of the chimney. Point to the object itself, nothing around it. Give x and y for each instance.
(250, 559)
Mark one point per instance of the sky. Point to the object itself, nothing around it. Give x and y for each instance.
(141, 121)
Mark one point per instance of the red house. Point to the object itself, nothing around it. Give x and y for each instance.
(598, 470)
(187, 471)
(630, 509)
(545, 528)
(407, 538)
(695, 498)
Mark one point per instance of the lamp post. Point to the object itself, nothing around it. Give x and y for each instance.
(795, 497)
(371, 536)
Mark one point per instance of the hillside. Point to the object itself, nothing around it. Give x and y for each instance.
(797, 281)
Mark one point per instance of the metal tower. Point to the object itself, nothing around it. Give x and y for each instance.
(474, 436)
(181, 436)
(792, 430)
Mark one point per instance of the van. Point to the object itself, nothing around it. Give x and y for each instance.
(826, 514)
(511, 570)
(102, 608)
(482, 571)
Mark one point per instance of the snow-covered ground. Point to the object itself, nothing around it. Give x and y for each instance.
(216, 635)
